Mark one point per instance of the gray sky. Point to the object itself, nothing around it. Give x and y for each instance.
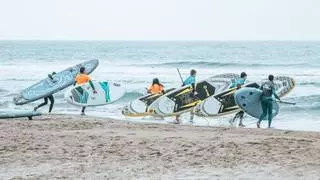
(160, 19)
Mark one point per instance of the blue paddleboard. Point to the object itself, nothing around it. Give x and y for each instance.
(249, 100)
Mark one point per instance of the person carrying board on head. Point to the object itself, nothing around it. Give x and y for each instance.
(83, 78)
(191, 80)
(50, 97)
(156, 87)
(237, 84)
(268, 91)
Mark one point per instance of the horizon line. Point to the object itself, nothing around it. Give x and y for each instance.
(161, 40)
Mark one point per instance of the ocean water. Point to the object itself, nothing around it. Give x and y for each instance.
(135, 64)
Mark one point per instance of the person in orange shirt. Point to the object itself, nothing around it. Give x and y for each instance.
(156, 87)
(83, 78)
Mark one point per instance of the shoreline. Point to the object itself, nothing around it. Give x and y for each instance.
(71, 146)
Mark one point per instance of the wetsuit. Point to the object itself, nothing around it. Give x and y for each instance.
(82, 79)
(191, 80)
(267, 101)
(46, 102)
(238, 83)
(50, 97)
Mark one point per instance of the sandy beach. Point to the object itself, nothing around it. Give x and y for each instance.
(74, 147)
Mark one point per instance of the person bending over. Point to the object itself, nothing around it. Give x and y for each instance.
(50, 97)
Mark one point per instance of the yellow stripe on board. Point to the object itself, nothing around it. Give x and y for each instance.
(184, 91)
(153, 96)
(233, 107)
(191, 104)
(231, 92)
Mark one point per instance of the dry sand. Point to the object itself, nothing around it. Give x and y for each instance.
(74, 147)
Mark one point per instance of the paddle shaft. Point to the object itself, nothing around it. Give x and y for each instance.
(180, 75)
(285, 102)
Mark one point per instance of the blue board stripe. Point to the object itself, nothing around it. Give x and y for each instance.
(105, 87)
(84, 97)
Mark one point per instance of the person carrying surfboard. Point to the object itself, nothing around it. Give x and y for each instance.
(191, 80)
(83, 78)
(50, 97)
(156, 87)
(268, 91)
(237, 84)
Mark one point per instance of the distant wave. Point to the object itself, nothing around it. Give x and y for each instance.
(305, 99)
(317, 84)
(129, 96)
(22, 79)
(303, 103)
(300, 108)
(217, 64)
(3, 90)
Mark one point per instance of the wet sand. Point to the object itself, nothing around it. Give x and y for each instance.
(74, 147)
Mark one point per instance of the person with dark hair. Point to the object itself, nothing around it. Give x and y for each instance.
(268, 90)
(191, 80)
(83, 78)
(156, 87)
(237, 84)
(50, 97)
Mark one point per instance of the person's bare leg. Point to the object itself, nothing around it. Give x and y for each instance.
(191, 117)
(178, 119)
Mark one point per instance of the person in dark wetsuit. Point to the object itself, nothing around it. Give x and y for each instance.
(268, 91)
(50, 97)
(238, 83)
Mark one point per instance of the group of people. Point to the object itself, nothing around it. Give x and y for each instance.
(268, 92)
(81, 78)
(156, 87)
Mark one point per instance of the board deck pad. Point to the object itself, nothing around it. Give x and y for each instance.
(50, 86)
(224, 103)
(249, 100)
(221, 103)
(183, 100)
(139, 107)
(186, 99)
(83, 95)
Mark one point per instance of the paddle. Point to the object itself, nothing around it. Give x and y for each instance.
(285, 102)
(180, 75)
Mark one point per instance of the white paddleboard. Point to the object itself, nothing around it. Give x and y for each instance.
(182, 99)
(224, 102)
(139, 106)
(83, 95)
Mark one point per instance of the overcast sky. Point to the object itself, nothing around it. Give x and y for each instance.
(160, 19)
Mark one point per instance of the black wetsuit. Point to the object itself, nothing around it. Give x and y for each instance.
(46, 102)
